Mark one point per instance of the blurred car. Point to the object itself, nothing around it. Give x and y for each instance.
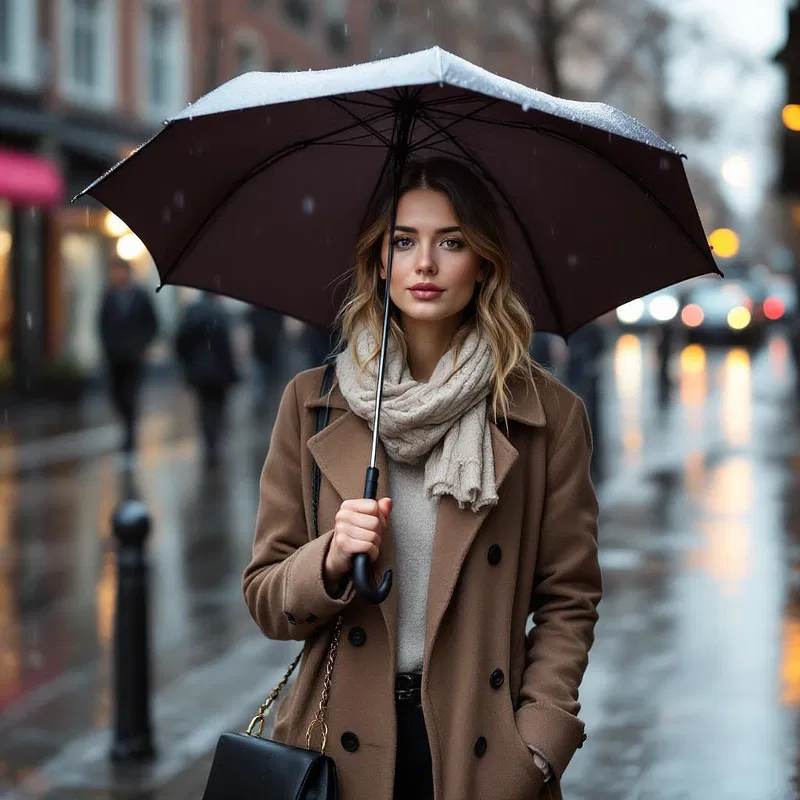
(726, 312)
(650, 311)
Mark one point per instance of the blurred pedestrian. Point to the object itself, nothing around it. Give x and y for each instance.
(582, 375)
(317, 344)
(266, 328)
(128, 325)
(203, 343)
(542, 351)
(472, 701)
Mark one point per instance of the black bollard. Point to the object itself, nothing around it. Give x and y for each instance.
(132, 735)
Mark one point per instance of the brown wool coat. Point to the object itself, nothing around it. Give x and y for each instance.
(545, 527)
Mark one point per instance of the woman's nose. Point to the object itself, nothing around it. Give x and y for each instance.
(426, 263)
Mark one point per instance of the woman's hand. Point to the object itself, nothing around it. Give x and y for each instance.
(358, 528)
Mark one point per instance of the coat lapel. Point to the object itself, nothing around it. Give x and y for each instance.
(342, 451)
(456, 530)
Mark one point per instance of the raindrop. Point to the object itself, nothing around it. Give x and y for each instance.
(179, 199)
(308, 205)
(166, 215)
(29, 320)
(526, 106)
(552, 230)
(572, 260)
(665, 163)
(428, 12)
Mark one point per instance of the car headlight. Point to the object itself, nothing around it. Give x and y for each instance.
(739, 318)
(664, 307)
(631, 313)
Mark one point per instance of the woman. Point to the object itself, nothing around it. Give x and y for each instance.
(486, 514)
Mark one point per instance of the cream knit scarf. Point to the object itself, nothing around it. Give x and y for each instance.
(444, 419)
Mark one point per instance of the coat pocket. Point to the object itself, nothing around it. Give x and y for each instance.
(522, 779)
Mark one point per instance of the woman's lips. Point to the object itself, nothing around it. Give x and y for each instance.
(426, 294)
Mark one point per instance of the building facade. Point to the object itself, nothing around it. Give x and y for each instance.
(83, 82)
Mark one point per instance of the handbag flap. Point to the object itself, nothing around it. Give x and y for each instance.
(250, 767)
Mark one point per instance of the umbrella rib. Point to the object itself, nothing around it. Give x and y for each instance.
(364, 124)
(544, 131)
(548, 289)
(439, 131)
(270, 162)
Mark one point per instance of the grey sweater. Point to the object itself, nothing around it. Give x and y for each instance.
(413, 523)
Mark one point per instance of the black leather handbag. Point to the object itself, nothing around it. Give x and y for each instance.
(249, 767)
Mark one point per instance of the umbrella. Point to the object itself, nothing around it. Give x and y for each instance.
(267, 178)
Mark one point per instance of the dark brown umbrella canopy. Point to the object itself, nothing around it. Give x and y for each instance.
(257, 190)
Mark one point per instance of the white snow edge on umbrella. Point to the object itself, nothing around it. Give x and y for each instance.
(432, 66)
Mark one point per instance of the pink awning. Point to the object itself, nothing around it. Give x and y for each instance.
(29, 180)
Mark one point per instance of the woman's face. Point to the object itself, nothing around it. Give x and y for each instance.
(434, 271)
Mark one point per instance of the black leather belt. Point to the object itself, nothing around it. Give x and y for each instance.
(408, 688)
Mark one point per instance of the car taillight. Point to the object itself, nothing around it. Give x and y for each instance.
(692, 316)
(774, 308)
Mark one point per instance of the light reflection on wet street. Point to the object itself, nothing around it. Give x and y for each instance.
(694, 682)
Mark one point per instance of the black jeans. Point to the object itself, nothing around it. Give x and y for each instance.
(413, 774)
(126, 380)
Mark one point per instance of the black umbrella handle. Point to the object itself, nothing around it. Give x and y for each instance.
(362, 569)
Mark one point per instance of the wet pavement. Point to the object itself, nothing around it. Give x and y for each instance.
(694, 682)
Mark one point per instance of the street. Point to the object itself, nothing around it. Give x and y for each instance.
(694, 681)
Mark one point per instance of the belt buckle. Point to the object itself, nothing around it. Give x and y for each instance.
(405, 694)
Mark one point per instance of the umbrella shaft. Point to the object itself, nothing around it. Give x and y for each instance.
(401, 151)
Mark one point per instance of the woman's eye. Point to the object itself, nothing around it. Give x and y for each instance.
(452, 244)
(402, 241)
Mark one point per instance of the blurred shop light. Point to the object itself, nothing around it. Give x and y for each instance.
(692, 316)
(736, 171)
(774, 308)
(130, 247)
(5, 243)
(739, 318)
(114, 225)
(724, 242)
(791, 116)
(664, 307)
(631, 313)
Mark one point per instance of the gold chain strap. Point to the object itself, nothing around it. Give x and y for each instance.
(256, 726)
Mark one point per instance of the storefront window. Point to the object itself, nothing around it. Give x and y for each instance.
(6, 286)
(82, 286)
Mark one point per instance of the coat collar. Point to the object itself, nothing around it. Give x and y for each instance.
(342, 451)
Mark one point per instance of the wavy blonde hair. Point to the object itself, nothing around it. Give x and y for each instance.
(496, 310)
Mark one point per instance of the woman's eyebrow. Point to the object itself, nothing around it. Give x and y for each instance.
(406, 229)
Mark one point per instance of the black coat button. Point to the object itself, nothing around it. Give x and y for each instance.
(497, 679)
(357, 636)
(290, 617)
(350, 741)
(480, 746)
(495, 554)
